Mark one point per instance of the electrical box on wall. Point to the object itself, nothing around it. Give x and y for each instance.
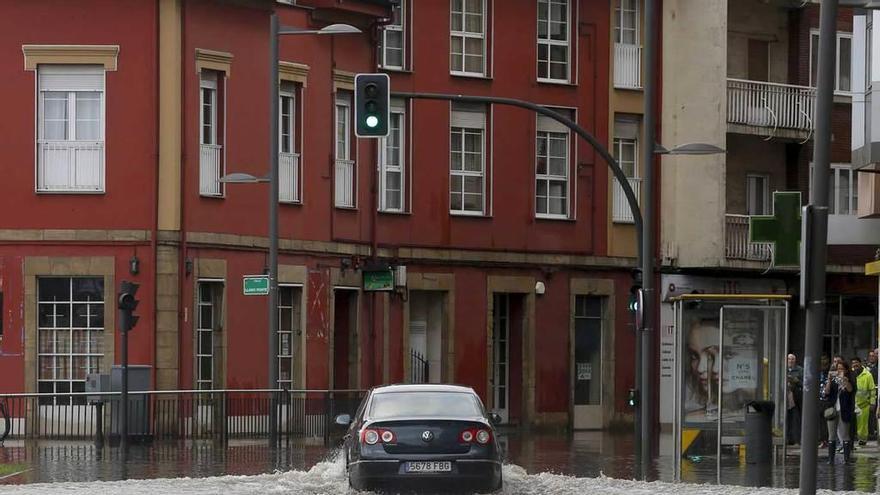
(400, 276)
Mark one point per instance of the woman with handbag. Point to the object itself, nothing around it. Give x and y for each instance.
(839, 391)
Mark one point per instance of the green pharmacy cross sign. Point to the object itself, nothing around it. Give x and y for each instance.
(782, 229)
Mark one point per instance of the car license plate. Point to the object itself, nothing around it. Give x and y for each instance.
(428, 466)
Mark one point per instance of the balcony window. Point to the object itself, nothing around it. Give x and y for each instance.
(393, 40)
(211, 149)
(70, 136)
(468, 37)
(467, 161)
(552, 164)
(843, 62)
(553, 40)
(392, 162)
(288, 153)
(346, 177)
(626, 152)
(757, 194)
(627, 50)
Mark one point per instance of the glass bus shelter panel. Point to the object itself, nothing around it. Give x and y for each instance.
(723, 368)
(752, 367)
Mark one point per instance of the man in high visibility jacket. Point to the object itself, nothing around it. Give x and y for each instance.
(866, 396)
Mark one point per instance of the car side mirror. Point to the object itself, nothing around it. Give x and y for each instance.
(495, 418)
(343, 420)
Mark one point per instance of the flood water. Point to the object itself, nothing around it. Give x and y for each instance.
(569, 455)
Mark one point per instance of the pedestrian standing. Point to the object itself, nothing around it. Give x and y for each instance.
(824, 403)
(872, 367)
(795, 379)
(866, 398)
(839, 390)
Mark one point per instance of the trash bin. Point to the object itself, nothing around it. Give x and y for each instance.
(759, 431)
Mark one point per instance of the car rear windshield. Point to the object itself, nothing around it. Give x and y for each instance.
(424, 404)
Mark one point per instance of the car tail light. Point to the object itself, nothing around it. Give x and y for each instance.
(474, 434)
(372, 437)
(388, 436)
(483, 437)
(467, 436)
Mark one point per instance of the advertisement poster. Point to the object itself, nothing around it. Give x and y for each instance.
(739, 369)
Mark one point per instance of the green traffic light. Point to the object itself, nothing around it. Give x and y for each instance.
(372, 121)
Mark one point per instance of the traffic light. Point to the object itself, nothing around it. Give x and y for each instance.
(371, 105)
(633, 398)
(127, 304)
(636, 304)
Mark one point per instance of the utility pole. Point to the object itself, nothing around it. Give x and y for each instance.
(813, 261)
(647, 356)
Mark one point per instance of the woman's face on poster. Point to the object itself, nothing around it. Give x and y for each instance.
(703, 350)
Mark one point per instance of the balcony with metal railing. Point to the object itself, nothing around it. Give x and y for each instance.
(621, 212)
(210, 169)
(345, 180)
(766, 108)
(288, 175)
(736, 241)
(71, 166)
(627, 66)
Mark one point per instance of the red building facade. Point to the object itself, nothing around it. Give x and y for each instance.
(494, 221)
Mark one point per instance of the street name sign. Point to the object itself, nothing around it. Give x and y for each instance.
(256, 285)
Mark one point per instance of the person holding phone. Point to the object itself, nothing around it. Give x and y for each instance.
(840, 392)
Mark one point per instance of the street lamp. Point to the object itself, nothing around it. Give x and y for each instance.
(275, 30)
(242, 178)
(689, 149)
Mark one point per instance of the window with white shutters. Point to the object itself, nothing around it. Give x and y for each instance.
(467, 165)
(70, 134)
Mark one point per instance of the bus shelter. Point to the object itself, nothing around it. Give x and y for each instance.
(730, 350)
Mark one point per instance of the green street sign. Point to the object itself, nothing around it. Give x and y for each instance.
(378, 280)
(256, 285)
(782, 229)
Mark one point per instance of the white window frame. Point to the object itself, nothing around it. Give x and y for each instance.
(64, 353)
(70, 130)
(293, 336)
(618, 29)
(618, 143)
(765, 193)
(400, 9)
(210, 80)
(288, 94)
(833, 198)
(398, 109)
(464, 122)
(216, 319)
(840, 35)
(465, 35)
(344, 101)
(549, 42)
(547, 128)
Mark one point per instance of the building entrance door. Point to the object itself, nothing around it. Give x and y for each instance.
(345, 340)
(587, 369)
(507, 369)
(426, 343)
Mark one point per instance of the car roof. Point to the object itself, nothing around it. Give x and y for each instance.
(422, 387)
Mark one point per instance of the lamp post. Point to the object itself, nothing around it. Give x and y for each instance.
(276, 30)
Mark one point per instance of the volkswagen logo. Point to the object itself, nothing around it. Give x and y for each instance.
(427, 436)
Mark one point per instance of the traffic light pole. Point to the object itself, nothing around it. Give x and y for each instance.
(124, 398)
(813, 263)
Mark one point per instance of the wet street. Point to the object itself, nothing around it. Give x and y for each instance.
(558, 461)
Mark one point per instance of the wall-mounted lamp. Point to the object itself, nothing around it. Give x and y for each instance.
(540, 288)
(134, 265)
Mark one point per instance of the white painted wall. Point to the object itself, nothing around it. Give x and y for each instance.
(694, 110)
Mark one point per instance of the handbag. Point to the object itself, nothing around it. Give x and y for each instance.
(830, 413)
